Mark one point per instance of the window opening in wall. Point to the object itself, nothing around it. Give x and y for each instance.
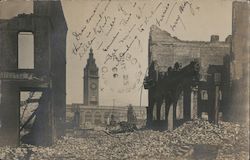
(29, 102)
(25, 50)
(204, 95)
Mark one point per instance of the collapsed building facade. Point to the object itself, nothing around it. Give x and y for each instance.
(222, 87)
(46, 73)
(164, 52)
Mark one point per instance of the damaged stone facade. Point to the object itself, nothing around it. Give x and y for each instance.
(165, 50)
(223, 88)
(48, 26)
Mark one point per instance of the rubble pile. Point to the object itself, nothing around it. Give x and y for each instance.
(122, 127)
(226, 141)
(203, 132)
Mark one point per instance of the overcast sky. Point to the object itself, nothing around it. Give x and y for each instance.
(129, 33)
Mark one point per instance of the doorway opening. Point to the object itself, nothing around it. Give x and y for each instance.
(29, 103)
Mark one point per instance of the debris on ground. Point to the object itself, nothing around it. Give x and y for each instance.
(122, 127)
(192, 140)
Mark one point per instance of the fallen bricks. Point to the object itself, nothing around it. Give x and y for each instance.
(189, 141)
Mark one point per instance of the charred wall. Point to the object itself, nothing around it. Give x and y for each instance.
(166, 50)
(239, 109)
(49, 73)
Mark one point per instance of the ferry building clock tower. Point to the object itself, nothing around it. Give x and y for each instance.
(91, 82)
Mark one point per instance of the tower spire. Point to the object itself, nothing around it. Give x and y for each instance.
(91, 53)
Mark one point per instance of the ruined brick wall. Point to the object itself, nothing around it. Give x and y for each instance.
(49, 28)
(9, 30)
(239, 109)
(166, 50)
(58, 34)
(240, 38)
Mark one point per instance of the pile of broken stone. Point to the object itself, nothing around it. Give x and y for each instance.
(193, 140)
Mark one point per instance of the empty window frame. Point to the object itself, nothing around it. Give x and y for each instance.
(25, 50)
(204, 95)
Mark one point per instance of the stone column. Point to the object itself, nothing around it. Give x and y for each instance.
(149, 116)
(170, 119)
(187, 103)
(179, 108)
(199, 111)
(214, 98)
(216, 105)
(163, 112)
(154, 112)
(194, 103)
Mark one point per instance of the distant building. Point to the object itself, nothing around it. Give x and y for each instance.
(91, 113)
(101, 115)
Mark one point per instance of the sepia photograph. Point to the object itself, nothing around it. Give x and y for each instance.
(124, 79)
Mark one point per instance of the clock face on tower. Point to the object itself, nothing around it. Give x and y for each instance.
(93, 86)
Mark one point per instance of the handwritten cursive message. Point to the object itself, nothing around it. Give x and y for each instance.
(116, 31)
